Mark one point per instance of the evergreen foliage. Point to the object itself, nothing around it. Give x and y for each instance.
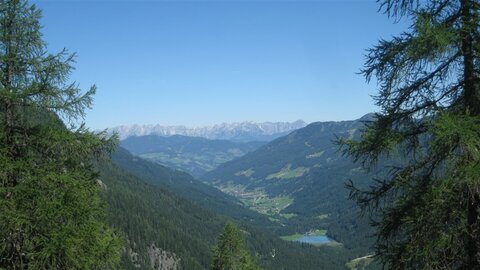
(50, 210)
(230, 252)
(148, 215)
(426, 212)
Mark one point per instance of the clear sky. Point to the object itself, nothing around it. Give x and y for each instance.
(205, 62)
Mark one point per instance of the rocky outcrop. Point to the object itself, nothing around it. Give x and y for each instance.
(129, 249)
(102, 185)
(163, 260)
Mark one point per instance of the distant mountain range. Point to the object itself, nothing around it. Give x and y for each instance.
(242, 132)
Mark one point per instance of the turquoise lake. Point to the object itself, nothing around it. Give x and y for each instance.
(314, 239)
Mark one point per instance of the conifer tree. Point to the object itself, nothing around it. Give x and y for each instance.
(230, 252)
(50, 210)
(426, 212)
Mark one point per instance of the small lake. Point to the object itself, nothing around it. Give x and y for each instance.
(314, 239)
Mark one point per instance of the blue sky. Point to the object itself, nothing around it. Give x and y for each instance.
(204, 62)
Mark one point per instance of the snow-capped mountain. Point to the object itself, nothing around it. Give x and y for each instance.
(244, 131)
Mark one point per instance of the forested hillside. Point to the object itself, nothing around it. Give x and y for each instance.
(299, 180)
(150, 218)
(187, 187)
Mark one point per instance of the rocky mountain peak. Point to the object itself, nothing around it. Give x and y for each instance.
(240, 131)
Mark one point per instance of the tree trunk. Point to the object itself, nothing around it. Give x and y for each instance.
(472, 107)
(471, 93)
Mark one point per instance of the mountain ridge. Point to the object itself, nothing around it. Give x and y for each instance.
(194, 155)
